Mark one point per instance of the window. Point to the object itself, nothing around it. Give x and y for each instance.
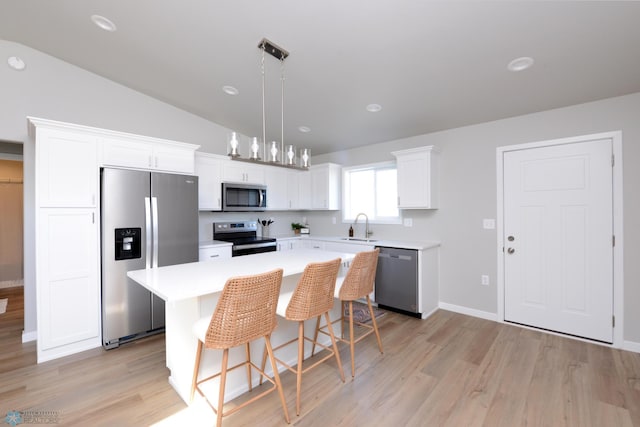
(371, 189)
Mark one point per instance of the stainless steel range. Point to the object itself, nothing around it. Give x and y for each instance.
(244, 236)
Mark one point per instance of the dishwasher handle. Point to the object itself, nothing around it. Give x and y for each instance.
(402, 257)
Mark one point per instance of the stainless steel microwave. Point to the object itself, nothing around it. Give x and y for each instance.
(243, 197)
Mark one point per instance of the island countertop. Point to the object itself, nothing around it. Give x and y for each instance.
(195, 279)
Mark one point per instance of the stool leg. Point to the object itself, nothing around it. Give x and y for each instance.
(196, 369)
(248, 351)
(299, 367)
(315, 336)
(264, 362)
(333, 343)
(276, 376)
(223, 380)
(375, 324)
(352, 341)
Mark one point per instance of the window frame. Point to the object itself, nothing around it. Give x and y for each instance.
(345, 182)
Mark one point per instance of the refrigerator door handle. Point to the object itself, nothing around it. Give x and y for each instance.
(147, 223)
(154, 216)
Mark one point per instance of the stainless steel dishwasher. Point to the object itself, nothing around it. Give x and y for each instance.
(397, 280)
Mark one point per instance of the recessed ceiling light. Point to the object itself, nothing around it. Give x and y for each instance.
(374, 108)
(520, 64)
(16, 63)
(230, 90)
(304, 129)
(104, 23)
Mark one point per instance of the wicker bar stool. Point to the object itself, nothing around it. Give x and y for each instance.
(312, 297)
(358, 283)
(245, 311)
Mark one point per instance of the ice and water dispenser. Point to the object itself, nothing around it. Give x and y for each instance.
(128, 243)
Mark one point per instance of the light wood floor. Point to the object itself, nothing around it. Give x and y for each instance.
(448, 370)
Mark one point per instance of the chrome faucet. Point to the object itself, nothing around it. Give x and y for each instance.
(366, 226)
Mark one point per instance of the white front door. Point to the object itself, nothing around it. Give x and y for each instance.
(558, 231)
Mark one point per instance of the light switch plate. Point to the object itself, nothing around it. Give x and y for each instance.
(408, 222)
(489, 224)
(484, 279)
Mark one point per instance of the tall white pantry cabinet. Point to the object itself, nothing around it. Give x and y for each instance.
(67, 228)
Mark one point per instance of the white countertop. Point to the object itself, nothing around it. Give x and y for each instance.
(183, 281)
(419, 246)
(213, 244)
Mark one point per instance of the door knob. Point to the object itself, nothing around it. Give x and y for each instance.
(511, 238)
(510, 250)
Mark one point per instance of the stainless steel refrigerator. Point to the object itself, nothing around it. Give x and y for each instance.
(148, 220)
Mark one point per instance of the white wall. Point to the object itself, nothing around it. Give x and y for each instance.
(53, 89)
(468, 194)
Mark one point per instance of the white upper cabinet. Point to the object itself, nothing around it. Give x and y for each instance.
(238, 171)
(209, 171)
(152, 154)
(276, 180)
(293, 189)
(417, 178)
(304, 191)
(325, 186)
(66, 168)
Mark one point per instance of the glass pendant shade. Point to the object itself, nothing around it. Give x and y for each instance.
(305, 158)
(273, 152)
(291, 155)
(233, 144)
(254, 149)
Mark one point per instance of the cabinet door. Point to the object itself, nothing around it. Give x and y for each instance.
(276, 181)
(304, 190)
(68, 284)
(209, 171)
(293, 190)
(312, 244)
(320, 188)
(172, 158)
(417, 178)
(325, 187)
(127, 153)
(236, 171)
(66, 169)
(213, 253)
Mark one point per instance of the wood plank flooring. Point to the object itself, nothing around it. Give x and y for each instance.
(449, 370)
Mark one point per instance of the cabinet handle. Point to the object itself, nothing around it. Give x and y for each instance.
(218, 201)
(93, 199)
(93, 218)
(214, 256)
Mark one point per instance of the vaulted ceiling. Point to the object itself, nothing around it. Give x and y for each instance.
(430, 65)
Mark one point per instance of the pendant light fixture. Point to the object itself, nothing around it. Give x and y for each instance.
(272, 153)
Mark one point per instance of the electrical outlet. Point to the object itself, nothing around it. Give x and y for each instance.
(489, 224)
(333, 220)
(408, 222)
(484, 279)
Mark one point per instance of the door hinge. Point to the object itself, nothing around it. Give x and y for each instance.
(613, 240)
(613, 321)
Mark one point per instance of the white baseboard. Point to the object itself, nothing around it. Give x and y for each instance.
(631, 346)
(468, 311)
(29, 336)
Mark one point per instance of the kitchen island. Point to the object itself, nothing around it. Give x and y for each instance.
(191, 291)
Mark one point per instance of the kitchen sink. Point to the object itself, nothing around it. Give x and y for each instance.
(357, 239)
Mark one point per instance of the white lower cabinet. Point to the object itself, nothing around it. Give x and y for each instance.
(214, 252)
(289, 244)
(313, 244)
(68, 281)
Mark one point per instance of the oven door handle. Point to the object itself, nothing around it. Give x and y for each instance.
(254, 246)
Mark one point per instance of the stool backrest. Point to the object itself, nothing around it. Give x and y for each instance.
(245, 311)
(313, 295)
(361, 275)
